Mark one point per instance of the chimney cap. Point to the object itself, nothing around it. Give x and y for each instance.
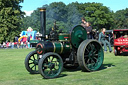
(42, 9)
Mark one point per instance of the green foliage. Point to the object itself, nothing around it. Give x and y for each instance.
(98, 15)
(56, 11)
(67, 16)
(10, 19)
(121, 19)
(31, 21)
(73, 15)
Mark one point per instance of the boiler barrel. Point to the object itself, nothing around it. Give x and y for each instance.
(56, 47)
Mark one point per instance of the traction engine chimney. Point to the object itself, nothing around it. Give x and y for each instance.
(43, 22)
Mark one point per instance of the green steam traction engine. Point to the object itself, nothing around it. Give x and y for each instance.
(68, 50)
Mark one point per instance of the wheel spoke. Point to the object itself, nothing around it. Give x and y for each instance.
(90, 45)
(34, 57)
(56, 64)
(88, 61)
(96, 55)
(50, 71)
(48, 59)
(95, 51)
(32, 66)
(52, 59)
(95, 58)
(31, 63)
(31, 59)
(45, 65)
(92, 61)
(35, 67)
(92, 48)
(89, 65)
(55, 68)
(87, 50)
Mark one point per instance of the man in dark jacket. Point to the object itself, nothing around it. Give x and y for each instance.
(89, 30)
(102, 39)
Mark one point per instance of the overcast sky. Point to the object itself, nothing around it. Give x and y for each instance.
(30, 5)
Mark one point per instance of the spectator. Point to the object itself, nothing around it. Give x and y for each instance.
(22, 44)
(9, 44)
(103, 40)
(12, 45)
(18, 45)
(83, 22)
(4, 45)
(28, 44)
(15, 44)
(31, 46)
(89, 30)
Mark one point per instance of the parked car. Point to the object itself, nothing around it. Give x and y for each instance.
(120, 41)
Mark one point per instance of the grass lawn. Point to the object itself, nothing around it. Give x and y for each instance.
(12, 71)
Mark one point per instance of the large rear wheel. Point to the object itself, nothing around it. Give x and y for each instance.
(50, 65)
(90, 55)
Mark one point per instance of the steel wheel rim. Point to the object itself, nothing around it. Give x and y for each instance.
(52, 66)
(33, 62)
(93, 56)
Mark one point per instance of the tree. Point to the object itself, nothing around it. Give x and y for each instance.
(73, 15)
(98, 15)
(121, 19)
(55, 12)
(67, 16)
(31, 21)
(10, 19)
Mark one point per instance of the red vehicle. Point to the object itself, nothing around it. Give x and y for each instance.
(120, 41)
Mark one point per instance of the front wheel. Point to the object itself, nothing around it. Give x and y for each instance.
(31, 62)
(50, 65)
(90, 55)
(116, 52)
